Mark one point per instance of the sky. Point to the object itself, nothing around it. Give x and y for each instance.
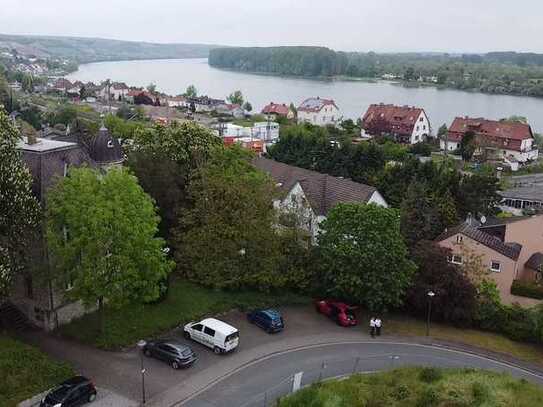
(348, 25)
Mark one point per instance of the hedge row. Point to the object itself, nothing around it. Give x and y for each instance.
(527, 289)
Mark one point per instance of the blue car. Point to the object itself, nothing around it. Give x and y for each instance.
(269, 320)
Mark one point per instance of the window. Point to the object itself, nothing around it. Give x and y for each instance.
(418, 128)
(455, 259)
(495, 266)
(459, 239)
(424, 127)
(209, 331)
(197, 327)
(421, 119)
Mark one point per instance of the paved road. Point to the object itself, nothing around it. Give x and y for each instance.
(274, 375)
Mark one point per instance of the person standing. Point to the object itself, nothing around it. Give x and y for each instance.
(372, 327)
(378, 324)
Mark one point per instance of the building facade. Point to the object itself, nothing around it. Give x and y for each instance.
(408, 125)
(319, 112)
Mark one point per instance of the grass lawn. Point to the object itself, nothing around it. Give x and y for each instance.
(406, 326)
(421, 387)
(25, 371)
(185, 302)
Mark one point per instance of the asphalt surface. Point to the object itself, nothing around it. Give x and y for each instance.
(263, 382)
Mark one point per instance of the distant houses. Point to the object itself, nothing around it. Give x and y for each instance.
(319, 112)
(495, 140)
(407, 124)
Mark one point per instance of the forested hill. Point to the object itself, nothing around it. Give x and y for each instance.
(85, 50)
(496, 72)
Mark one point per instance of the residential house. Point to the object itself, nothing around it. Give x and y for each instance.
(407, 124)
(496, 140)
(204, 104)
(275, 110)
(319, 112)
(311, 195)
(510, 248)
(41, 301)
(177, 101)
(230, 109)
(115, 91)
(267, 132)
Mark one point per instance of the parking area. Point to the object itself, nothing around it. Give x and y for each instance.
(104, 398)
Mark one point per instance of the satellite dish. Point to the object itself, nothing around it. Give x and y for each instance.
(483, 219)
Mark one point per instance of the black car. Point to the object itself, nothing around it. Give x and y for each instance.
(175, 353)
(73, 392)
(269, 320)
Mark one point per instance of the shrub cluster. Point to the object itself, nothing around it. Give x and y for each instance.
(527, 289)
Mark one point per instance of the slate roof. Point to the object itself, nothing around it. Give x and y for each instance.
(323, 191)
(502, 134)
(527, 193)
(511, 250)
(535, 262)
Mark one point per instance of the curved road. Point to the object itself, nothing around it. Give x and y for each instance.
(261, 382)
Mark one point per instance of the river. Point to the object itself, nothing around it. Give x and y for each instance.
(352, 97)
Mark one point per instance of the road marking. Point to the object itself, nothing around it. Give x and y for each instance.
(320, 345)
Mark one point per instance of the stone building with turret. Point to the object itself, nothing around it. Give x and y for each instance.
(35, 297)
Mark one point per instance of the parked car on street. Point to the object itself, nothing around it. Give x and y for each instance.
(73, 392)
(338, 311)
(214, 334)
(269, 320)
(175, 353)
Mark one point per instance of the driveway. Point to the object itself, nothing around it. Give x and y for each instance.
(120, 371)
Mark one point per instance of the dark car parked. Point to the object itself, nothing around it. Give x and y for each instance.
(176, 354)
(73, 392)
(269, 320)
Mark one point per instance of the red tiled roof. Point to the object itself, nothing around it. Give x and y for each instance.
(275, 108)
(500, 133)
(393, 119)
(135, 92)
(313, 105)
(231, 106)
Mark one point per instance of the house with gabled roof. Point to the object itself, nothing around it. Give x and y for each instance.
(509, 248)
(319, 112)
(275, 110)
(495, 140)
(407, 124)
(312, 195)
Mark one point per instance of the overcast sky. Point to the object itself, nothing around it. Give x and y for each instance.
(356, 25)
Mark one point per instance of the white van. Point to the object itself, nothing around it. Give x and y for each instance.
(213, 333)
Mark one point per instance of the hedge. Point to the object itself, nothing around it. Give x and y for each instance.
(527, 289)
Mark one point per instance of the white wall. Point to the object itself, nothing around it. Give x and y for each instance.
(378, 199)
(421, 129)
(329, 114)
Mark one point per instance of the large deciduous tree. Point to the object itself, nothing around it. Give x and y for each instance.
(364, 257)
(455, 297)
(163, 159)
(19, 209)
(236, 98)
(227, 239)
(101, 230)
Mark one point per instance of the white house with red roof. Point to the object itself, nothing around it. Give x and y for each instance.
(407, 124)
(498, 140)
(319, 112)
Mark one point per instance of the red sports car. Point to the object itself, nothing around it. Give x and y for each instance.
(338, 311)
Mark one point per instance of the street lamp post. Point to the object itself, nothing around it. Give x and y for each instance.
(431, 295)
(141, 345)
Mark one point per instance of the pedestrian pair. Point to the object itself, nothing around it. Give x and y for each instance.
(375, 327)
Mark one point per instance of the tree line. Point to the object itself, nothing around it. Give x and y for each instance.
(500, 73)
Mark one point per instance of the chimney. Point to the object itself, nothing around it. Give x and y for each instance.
(31, 138)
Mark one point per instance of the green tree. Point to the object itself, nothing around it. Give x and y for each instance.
(442, 131)
(420, 218)
(191, 91)
(227, 239)
(363, 256)
(27, 83)
(236, 98)
(19, 210)
(101, 231)
(468, 145)
(247, 107)
(151, 88)
(163, 159)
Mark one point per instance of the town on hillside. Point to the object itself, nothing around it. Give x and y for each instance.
(197, 250)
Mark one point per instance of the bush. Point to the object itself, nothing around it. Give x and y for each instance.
(430, 375)
(527, 289)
